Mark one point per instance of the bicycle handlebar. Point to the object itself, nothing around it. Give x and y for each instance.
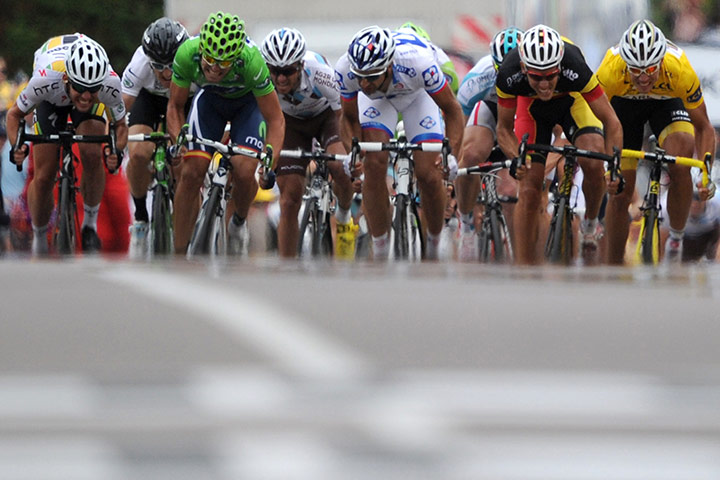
(68, 136)
(156, 137)
(304, 155)
(663, 157)
(487, 167)
(400, 146)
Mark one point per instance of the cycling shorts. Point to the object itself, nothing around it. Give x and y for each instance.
(51, 118)
(665, 116)
(421, 116)
(537, 118)
(210, 113)
(299, 133)
(484, 114)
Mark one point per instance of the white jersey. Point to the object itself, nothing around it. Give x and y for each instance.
(139, 74)
(317, 90)
(478, 84)
(415, 68)
(46, 85)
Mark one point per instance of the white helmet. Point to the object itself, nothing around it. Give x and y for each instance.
(283, 47)
(372, 48)
(643, 44)
(541, 48)
(87, 63)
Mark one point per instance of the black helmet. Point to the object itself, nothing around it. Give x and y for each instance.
(162, 39)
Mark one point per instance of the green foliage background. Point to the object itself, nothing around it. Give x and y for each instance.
(116, 25)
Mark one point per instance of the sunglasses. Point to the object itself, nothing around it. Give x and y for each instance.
(82, 88)
(214, 61)
(160, 66)
(287, 71)
(647, 70)
(539, 77)
(370, 78)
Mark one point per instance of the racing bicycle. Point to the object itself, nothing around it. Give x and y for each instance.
(209, 233)
(315, 237)
(406, 238)
(161, 224)
(648, 248)
(493, 237)
(559, 245)
(65, 235)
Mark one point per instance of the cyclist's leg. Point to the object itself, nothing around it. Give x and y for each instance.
(423, 123)
(291, 182)
(378, 119)
(633, 115)
(205, 121)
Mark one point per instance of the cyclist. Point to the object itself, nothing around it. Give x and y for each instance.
(311, 104)
(546, 81)
(145, 90)
(382, 74)
(649, 79)
(234, 86)
(478, 99)
(72, 76)
(444, 61)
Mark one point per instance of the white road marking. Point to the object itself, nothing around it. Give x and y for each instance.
(278, 333)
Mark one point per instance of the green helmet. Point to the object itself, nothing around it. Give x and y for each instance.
(418, 30)
(222, 36)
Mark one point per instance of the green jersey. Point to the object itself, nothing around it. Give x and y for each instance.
(248, 73)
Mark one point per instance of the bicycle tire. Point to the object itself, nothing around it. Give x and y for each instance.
(200, 241)
(484, 235)
(650, 238)
(506, 240)
(400, 244)
(65, 240)
(559, 246)
(326, 241)
(498, 246)
(416, 246)
(305, 223)
(161, 227)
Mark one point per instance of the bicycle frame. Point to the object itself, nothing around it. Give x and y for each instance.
(648, 247)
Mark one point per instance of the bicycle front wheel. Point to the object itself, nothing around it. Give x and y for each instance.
(322, 238)
(559, 246)
(65, 238)
(307, 228)
(400, 243)
(498, 242)
(161, 225)
(649, 247)
(201, 240)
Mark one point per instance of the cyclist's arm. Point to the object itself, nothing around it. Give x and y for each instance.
(454, 125)
(121, 134)
(704, 131)
(506, 131)
(175, 115)
(270, 108)
(350, 122)
(128, 100)
(611, 125)
(14, 116)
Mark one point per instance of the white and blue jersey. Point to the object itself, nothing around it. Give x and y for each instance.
(478, 84)
(317, 91)
(416, 75)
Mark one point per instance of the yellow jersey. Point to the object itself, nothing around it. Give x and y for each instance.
(677, 78)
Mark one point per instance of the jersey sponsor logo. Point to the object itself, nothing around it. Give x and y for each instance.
(24, 100)
(372, 112)
(257, 77)
(428, 122)
(680, 116)
(695, 96)
(339, 80)
(42, 73)
(431, 76)
(254, 141)
(265, 83)
(45, 89)
(570, 74)
(130, 84)
(113, 92)
(409, 71)
(324, 79)
(515, 78)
